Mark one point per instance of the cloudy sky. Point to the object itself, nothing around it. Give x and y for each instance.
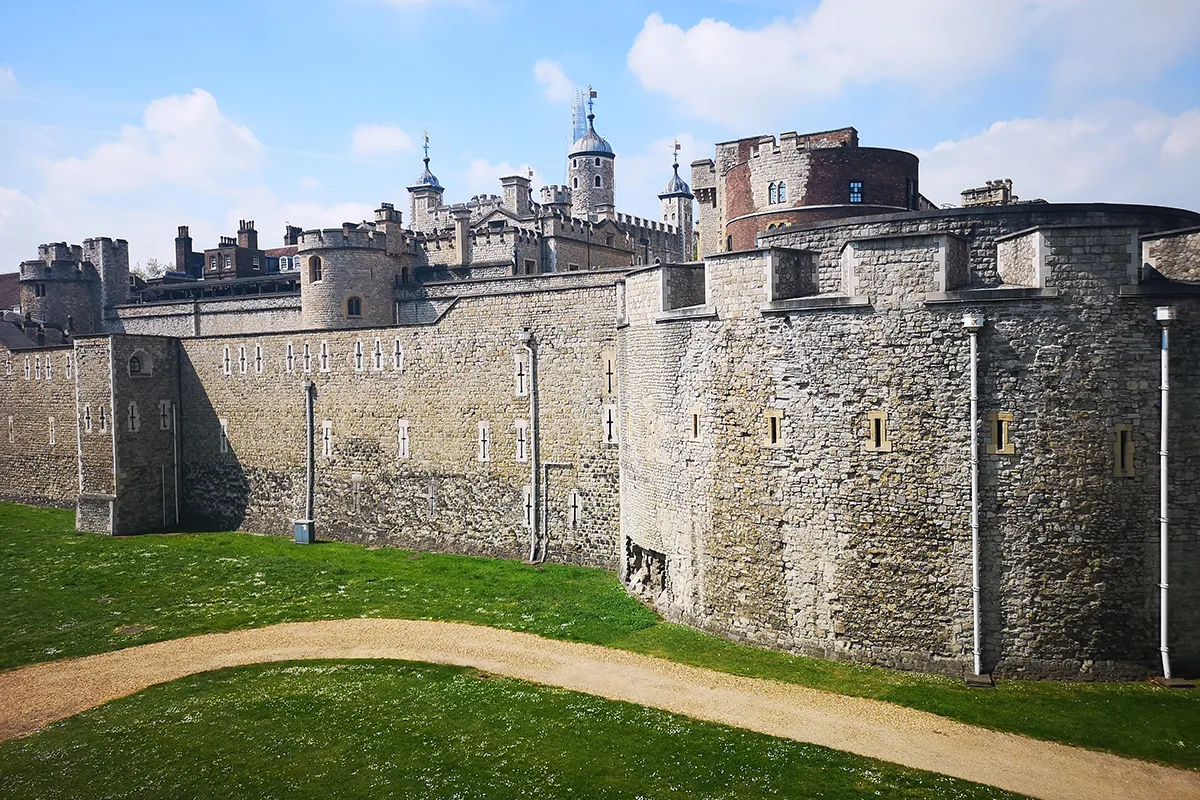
(127, 119)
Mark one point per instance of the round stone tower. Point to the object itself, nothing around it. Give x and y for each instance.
(590, 173)
(347, 277)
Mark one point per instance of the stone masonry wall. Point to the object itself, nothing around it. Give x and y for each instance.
(1176, 255)
(455, 375)
(208, 317)
(35, 469)
(821, 543)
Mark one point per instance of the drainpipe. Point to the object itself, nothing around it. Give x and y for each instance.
(1164, 315)
(972, 323)
(526, 340)
(309, 388)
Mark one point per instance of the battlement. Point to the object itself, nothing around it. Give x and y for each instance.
(57, 270)
(102, 248)
(839, 137)
(646, 224)
(347, 236)
(59, 251)
(556, 195)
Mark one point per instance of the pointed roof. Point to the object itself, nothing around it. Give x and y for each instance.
(592, 143)
(676, 187)
(426, 179)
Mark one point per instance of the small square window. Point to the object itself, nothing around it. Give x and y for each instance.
(1000, 425)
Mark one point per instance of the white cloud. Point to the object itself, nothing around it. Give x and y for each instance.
(8, 81)
(747, 76)
(184, 140)
(1119, 152)
(379, 140)
(556, 86)
(483, 177)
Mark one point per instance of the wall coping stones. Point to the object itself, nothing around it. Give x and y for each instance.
(993, 294)
(1169, 234)
(1163, 288)
(816, 303)
(1026, 231)
(686, 313)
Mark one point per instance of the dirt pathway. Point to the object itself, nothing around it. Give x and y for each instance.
(33, 696)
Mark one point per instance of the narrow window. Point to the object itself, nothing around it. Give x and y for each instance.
(135, 419)
(224, 435)
(327, 438)
(37, 368)
(610, 373)
(877, 434)
(67, 364)
(225, 363)
(27, 363)
(773, 427)
(522, 439)
(10, 430)
(289, 359)
(8, 366)
(772, 194)
(527, 505)
(574, 509)
(782, 192)
(856, 191)
(242, 359)
(597, 163)
(1000, 423)
(103, 414)
(520, 375)
(228, 261)
(597, 180)
(164, 415)
(135, 365)
(53, 436)
(307, 358)
(575, 183)
(377, 356)
(694, 420)
(212, 263)
(258, 361)
(485, 442)
(358, 356)
(729, 243)
(353, 306)
(402, 438)
(609, 427)
(397, 357)
(324, 357)
(314, 269)
(1123, 452)
(49, 368)
(87, 419)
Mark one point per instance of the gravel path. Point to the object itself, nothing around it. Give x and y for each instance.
(31, 697)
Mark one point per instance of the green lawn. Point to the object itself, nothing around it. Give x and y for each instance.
(379, 729)
(68, 594)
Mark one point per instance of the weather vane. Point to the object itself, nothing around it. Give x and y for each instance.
(426, 134)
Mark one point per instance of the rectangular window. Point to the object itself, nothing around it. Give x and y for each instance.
(53, 435)
(377, 356)
(572, 267)
(402, 438)
(87, 419)
(164, 415)
(324, 357)
(694, 422)
(242, 359)
(8, 366)
(224, 435)
(358, 356)
(289, 359)
(27, 364)
(520, 375)
(609, 428)
(1123, 452)
(258, 359)
(10, 430)
(327, 438)
(228, 262)
(530, 266)
(225, 363)
(1000, 425)
(877, 433)
(609, 361)
(527, 506)
(307, 359)
(522, 439)
(49, 368)
(135, 419)
(67, 365)
(484, 441)
(856, 191)
(103, 414)
(397, 357)
(37, 368)
(773, 427)
(212, 262)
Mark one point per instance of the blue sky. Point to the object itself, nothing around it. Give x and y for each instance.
(127, 119)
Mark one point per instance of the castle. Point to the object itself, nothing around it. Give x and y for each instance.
(773, 430)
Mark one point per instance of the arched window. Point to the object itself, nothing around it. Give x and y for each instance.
(140, 364)
(353, 306)
(284, 264)
(782, 192)
(574, 162)
(135, 365)
(597, 161)
(575, 183)
(314, 269)
(597, 180)
(772, 194)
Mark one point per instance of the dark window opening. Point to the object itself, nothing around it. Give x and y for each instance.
(135, 365)
(856, 191)
(314, 269)
(878, 432)
(354, 307)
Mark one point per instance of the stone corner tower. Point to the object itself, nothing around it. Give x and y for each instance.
(590, 171)
(424, 198)
(676, 204)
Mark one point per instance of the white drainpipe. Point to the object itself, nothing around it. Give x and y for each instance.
(973, 322)
(526, 339)
(1164, 315)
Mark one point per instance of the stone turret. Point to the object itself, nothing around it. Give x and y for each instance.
(425, 197)
(676, 202)
(516, 196)
(590, 171)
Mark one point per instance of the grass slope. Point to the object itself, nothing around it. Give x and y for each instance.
(384, 729)
(67, 594)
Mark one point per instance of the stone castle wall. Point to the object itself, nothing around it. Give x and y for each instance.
(1175, 254)
(455, 376)
(822, 543)
(208, 318)
(36, 469)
